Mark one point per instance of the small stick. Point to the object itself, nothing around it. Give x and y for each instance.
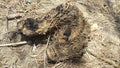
(56, 65)
(7, 23)
(13, 44)
(46, 51)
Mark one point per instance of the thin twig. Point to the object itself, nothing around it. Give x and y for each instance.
(46, 51)
(56, 65)
(13, 44)
(7, 24)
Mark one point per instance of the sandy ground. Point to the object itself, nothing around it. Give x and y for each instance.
(103, 17)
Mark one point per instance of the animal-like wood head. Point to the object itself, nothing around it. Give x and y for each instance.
(27, 27)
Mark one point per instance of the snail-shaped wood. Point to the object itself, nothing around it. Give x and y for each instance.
(65, 25)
